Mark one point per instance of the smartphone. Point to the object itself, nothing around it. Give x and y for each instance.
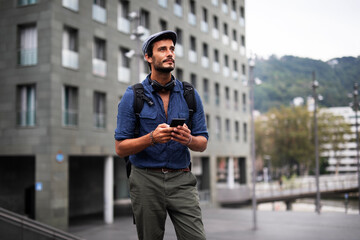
(177, 121)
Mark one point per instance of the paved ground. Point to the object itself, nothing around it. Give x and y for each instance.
(231, 224)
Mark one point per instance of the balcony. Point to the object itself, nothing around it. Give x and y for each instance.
(233, 15)
(192, 19)
(192, 56)
(123, 25)
(205, 62)
(215, 33)
(28, 57)
(146, 33)
(179, 50)
(226, 71)
(70, 117)
(99, 67)
(70, 59)
(225, 40)
(178, 10)
(124, 74)
(204, 26)
(26, 118)
(215, 2)
(99, 13)
(71, 4)
(216, 67)
(224, 8)
(234, 45)
(242, 22)
(162, 3)
(242, 51)
(235, 75)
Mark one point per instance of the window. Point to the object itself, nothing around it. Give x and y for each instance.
(204, 21)
(242, 17)
(216, 64)
(235, 70)
(70, 56)
(218, 128)
(99, 57)
(26, 2)
(70, 106)
(123, 66)
(145, 22)
(163, 25)
(237, 131)
(242, 47)
(234, 44)
(179, 74)
(226, 70)
(99, 11)
(224, 6)
(244, 102)
(243, 73)
(193, 80)
(25, 105)
(227, 129)
(245, 132)
(178, 11)
(225, 37)
(71, 4)
(227, 97)
(192, 13)
(206, 90)
(233, 10)
(192, 51)
(217, 94)
(205, 56)
(179, 49)
(215, 30)
(99, 110)
(207, 119)
(236, 100)
(123, 16)
(27, 45)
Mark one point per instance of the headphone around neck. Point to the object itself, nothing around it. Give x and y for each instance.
(158, 87)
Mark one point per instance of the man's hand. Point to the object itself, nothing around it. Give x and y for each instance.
(181, 134)
(162, 133)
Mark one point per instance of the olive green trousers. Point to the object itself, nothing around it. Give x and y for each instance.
(156, 194)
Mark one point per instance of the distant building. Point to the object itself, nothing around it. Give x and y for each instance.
(64, 67)
(347, 155)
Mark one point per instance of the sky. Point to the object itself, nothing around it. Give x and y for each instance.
(317, 29)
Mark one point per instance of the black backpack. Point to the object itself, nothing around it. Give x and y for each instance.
(140, 98)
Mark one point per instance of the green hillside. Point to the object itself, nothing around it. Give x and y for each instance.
(288, 77)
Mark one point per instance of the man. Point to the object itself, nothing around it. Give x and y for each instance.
(161, 182)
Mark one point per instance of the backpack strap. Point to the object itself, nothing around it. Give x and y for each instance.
(189, 95)
(139, 98)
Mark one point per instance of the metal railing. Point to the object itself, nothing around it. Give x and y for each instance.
(15, 226)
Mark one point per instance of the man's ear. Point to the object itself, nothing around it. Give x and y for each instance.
(147, 58)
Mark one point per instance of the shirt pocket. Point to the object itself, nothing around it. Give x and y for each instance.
(148, 121)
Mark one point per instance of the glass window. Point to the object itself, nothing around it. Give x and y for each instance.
(27, 45)
(193, 80)
(70, 57)
(26, 105)
(70, 106)
(99, 110)
(26, 2)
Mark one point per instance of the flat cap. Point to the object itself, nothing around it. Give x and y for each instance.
(167, 34)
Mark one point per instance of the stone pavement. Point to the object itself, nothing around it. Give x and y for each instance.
(231, 224)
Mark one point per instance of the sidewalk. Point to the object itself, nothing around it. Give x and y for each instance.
(231, 224)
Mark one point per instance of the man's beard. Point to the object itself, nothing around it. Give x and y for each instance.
(162, 69)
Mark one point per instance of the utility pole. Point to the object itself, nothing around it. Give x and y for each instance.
(315, 85)
(252, 83)
(356, 108)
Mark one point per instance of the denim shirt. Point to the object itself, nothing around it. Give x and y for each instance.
(168, 155)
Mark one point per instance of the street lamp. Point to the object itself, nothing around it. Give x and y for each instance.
(315, 85)
(355, 106)
(251, 85)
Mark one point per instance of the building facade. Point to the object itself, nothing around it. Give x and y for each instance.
(344, 160)
(64, 67)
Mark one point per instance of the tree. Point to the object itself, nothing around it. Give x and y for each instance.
(286, 134)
